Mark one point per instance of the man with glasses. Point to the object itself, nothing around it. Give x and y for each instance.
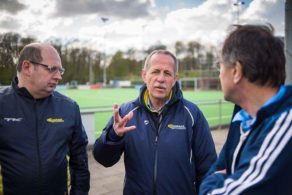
(41, 131)
(50, 68)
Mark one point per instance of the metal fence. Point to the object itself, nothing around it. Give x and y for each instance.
(217, 112)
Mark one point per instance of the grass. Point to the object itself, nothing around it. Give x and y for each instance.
(100, 98)
(107, 97)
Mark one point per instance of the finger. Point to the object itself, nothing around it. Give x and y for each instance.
(127, 117)
(130, 128)
(221, 171)
(124, 121)
(116, 113)
(130, 115)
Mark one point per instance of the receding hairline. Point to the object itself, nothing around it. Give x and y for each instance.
(35, 51)
(161, 52)
(41, 46)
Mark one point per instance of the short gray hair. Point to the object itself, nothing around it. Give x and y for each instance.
(160, 51)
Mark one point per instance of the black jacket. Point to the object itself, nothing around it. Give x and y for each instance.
(37, 139)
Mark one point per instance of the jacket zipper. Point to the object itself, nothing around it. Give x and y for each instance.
(156, 155)
(38, 150)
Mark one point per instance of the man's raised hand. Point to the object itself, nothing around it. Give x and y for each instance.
(120, 123)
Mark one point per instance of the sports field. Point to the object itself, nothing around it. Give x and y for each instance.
(211, 103)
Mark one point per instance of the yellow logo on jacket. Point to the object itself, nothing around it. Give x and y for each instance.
(178, 127)
(55, 120)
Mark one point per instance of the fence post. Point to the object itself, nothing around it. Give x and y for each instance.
(220, 114)
(88, 120)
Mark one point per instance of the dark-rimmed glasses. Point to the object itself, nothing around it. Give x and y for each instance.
(50, 68)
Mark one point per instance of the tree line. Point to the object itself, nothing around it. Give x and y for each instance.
(86, 65)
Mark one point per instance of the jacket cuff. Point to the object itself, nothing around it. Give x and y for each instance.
(113, 137)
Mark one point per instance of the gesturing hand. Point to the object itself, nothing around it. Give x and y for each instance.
(120, 123)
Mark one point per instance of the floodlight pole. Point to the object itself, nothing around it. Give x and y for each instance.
(91, 72)
(237, 4)
(142, 42)
(288, 40)
(104, 20)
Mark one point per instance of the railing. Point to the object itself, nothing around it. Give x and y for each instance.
(217, 113)
(220, 115)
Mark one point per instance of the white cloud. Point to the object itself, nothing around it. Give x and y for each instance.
(206, 22)
(263, 11)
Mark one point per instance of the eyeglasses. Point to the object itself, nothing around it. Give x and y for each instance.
(50, 68)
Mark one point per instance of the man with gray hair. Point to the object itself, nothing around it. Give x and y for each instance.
(165, 139)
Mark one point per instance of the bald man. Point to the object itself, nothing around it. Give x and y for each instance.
(41, 130)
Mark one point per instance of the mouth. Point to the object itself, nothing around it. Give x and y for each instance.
(52, 85)
(160, 88)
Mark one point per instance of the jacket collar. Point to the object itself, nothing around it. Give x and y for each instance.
(279, 103)
(22, 91)
(282, 104)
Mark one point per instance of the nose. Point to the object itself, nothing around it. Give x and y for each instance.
(57, 75)
(161, 77)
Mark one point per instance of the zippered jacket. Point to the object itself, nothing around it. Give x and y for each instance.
(166, 154)
(258, 161)
(37, 139)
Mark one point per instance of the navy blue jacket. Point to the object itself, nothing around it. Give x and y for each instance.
(36, 136)
(170, 159)
(260, 161)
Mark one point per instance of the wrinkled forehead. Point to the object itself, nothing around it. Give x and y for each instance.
(162, 59)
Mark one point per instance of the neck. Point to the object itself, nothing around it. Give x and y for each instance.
(157, 104)
(29, 87)
(21, 82)
(255, 98)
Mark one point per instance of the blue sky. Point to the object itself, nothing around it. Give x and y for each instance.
(178, 4)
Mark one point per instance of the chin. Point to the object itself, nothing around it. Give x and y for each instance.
(228, 98)
(50, 90)
(162, 98)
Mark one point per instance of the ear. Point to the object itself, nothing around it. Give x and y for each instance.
(237, 72)
(26, 67)
(176, 77)
(143, 75)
